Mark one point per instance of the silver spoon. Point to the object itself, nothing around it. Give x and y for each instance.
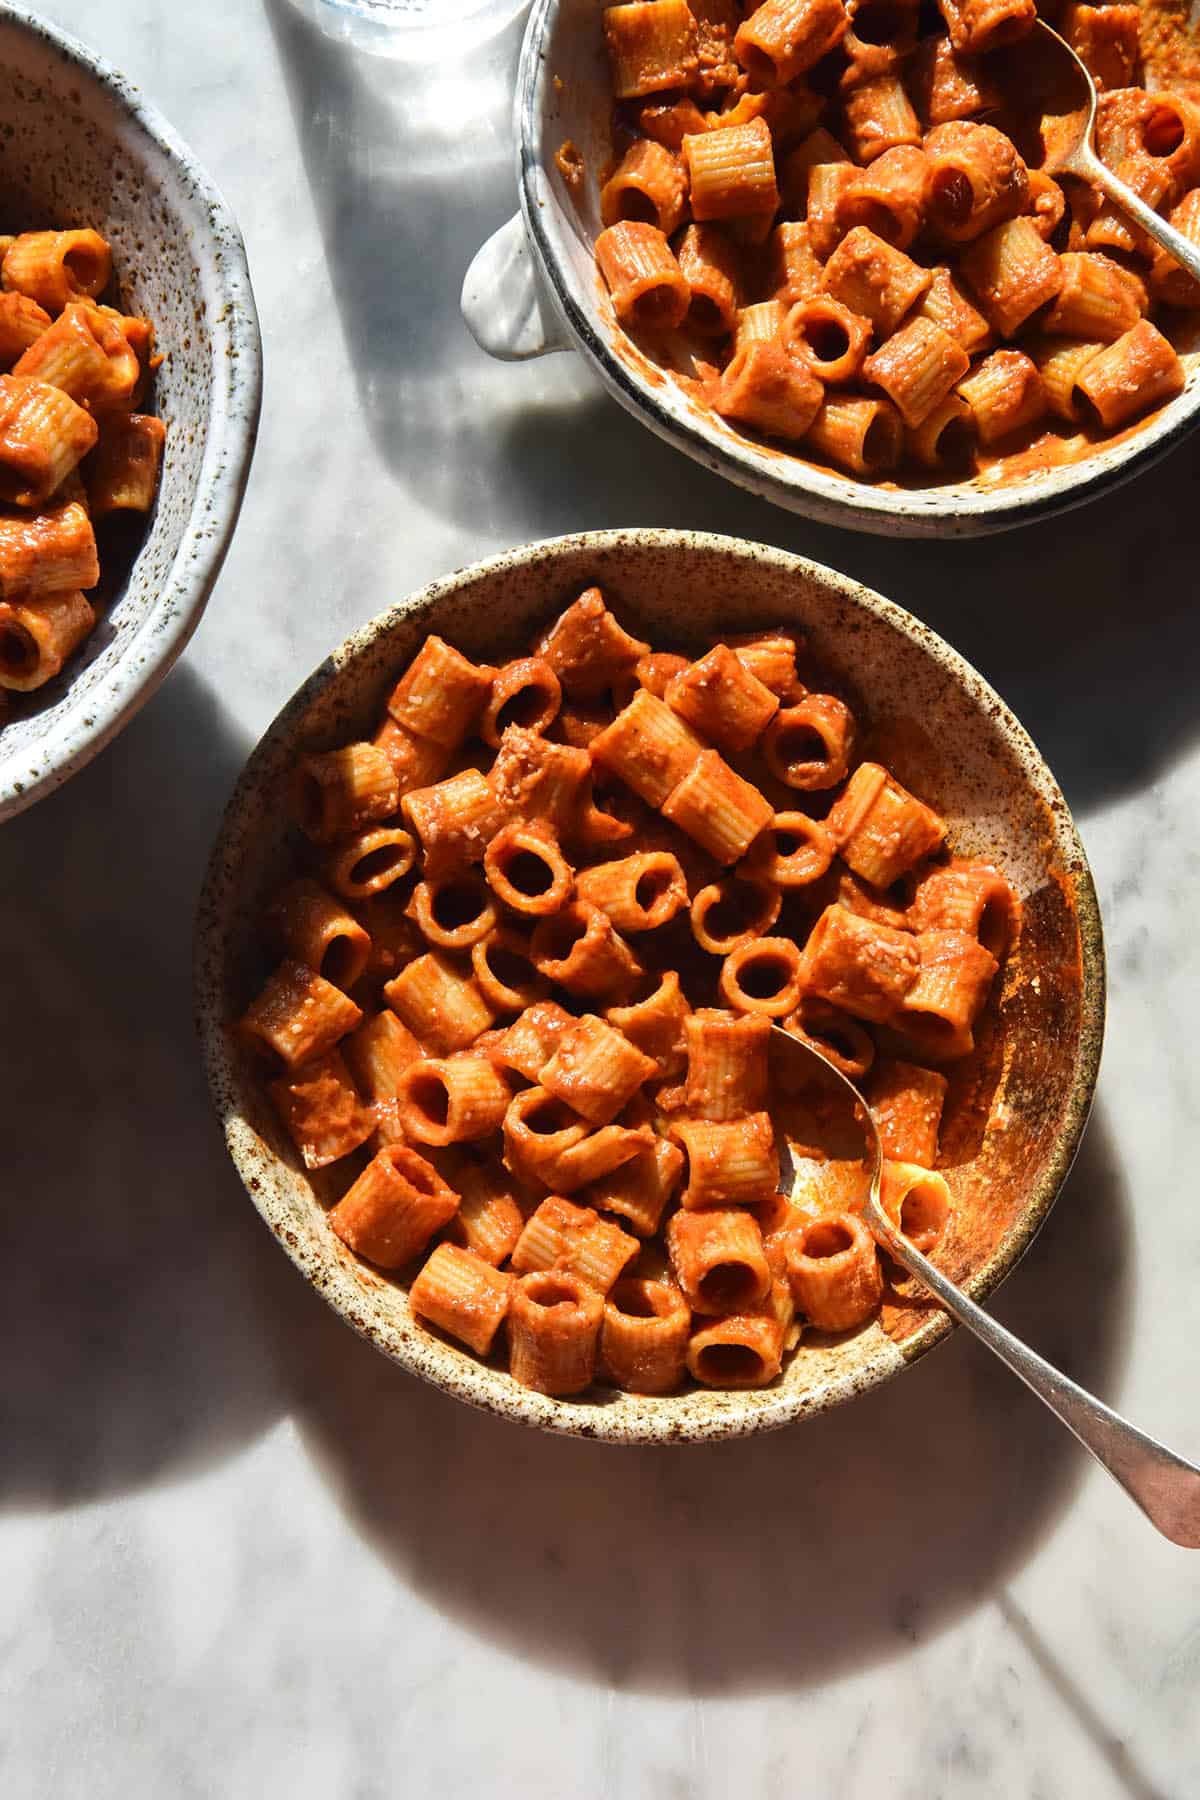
(1074, 154)
(1165, 1486)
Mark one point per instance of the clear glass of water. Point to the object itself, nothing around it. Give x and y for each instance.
(412, 28)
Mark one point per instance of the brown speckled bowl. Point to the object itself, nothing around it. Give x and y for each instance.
(940, 727)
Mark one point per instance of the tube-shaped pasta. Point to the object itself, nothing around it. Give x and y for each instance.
(874, 279)
(649, 290)
(554, 1319)
(976, 180)
(808, 746)
(452, 1100)
(1111, 228)
(394, 1208)
(763, 977)
(575, 1240)
(595, 1069)
(502, 963)
(463, 1295)
(730, 1162)
(489, 1220)
(1005, 394)
(888, 196)
(717, 1259)
(906, 1104)
(639, 1190)
(744, 1349)
(836, 1036)
(371, 862)
(879, 117)
(608, 1148)
(1060, 362)
(712, 267)
(37, 635)
(378, 1052)
(794, 270)
(652, 45)
(1096, 301)
(730, 912)
(1139, 370)
(767, 389)
(945, 438)
(649, 185)
(717, 808)
(527, 871)
(655, 1023)
(56, 267)
(722, 699)
(861, 435)
(946, 304)
(454, 820)
(320, 1107)
(417, 762)
(833, 1272)
(859, 965)
(972, 897)
(88, 356)
(587, 648)
(727, 1063)
(917, 1201)
(881, 37)
(44, 434)
(442, 1007)
(648, 746)
(455, 912)
(977, 26)
(916, 368)
(644, 1338)
(732, 172)
(639, 893)
(538, 1129)
(580, 949)
(945, 85)
(792, 852)
(825, 185)
(316, 929)
(22, 322)
(121, 474)
(1105, 39)
(298, 1015)
(530, 1040)
(1171, 283)
(441, 693)
(339, 792)
(525, 693)
(940, 1008)
(758, 324)
(880, 828)
(770, 656)
(1012, 273)
(819, 149)
(828, 336)
(782, 38)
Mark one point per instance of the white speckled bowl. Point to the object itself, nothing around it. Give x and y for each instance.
(79, 145)
(534, 287)
(939, 725)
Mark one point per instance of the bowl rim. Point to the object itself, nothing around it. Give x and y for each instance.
(93, 720)
(806, 488)
(476, 1382)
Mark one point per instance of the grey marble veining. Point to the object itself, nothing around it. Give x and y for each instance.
(239, 1553)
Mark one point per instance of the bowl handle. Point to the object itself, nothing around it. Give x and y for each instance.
(503, 302)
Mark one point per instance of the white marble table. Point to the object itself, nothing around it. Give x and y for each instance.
(241, 1555)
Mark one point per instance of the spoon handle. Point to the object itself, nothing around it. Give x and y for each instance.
(1123, 196)
(1165, 1486)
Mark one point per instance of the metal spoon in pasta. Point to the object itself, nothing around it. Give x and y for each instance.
(1165, 1486)
(1070, 150)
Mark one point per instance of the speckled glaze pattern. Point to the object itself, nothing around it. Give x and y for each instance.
(944, 729)
(563, 92)
(79, 145)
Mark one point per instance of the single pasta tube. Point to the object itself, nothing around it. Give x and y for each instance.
(651, 45)
(378, 1052)
(649, 290)
(454, 821)
(316, 929)
(502, 963)
(770, 656)
(881, 37)
(441, 693)
(889, 196)
(648, 746)
(917, 368)
(763, 977)
(717, 1258)
(808, 746)
(576, 1240)
(44, 435)
(88, 356)
(717, 808)
(537, 1130)
(393, 1209)
(977, 180)
(587, 648)
(1060, 362)
(455, 912)
(727, 1063)
(860, 435)
(639, 892)
(608, 1148)
(833, 1272)
(793, 852)
(1096, 301)
(712, 267)
(37, 636)
(1172, 283)
(442, 1007)
(940, 1008)
(838, 1038)
(644, 1337)
(972, 897)
(946, 85)
(371, 862)
(723, 700)
(917, 1202)
(946, 304)
(595, 1069)
(794, 269)
(452, 1101)
(1012, 274)
(56, 267)
(767, 389)
(906, 1104)
(639, 1190)
(730, 912)
(322, 1111)
(730, 1162)
(579, 949)
(825, 183)
(758, 324)
(554, 1322)
(525, 693)
(530, 1040)
(1004, 393)
(339, 792)
(977, 26)
(945, 438)
(538, 782)
(22, 322)
(874, 279)
(880, 829)
(1138, 371)
(462, 1295)
(489, 1219)
(744, 1349)
(298, 1016)
(417, 762)
(648, 185)
(1105, 39)
(1045, 204)
(527, 871)
(783, 38)
(1110, 228)
(47, 552)
(879, 117)
(121, 474)
(828, 336)
(655, 1023)
(858, 965)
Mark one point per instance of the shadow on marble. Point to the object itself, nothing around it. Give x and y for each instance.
(133, 1274)
(774, 1563)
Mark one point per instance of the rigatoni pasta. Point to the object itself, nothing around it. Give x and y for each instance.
(536, 1063)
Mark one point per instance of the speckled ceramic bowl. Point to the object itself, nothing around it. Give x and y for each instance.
(533, 287)
(81, 146)
(938, 725)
